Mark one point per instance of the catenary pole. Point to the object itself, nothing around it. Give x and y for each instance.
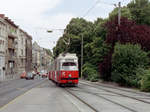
(119, 13)
(81, 55)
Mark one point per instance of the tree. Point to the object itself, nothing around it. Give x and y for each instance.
(125, 12)
(127, 32)
(126, 61)
(140, 10)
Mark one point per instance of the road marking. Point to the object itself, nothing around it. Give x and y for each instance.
(12, 101)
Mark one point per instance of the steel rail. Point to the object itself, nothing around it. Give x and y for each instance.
(91, 107)
(96, 94)
(117, 93)
(117, 88)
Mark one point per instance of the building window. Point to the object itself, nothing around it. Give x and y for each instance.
(22, 62)
(22, 41)
(22, 51)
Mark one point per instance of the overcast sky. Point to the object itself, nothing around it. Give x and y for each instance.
(37, 16)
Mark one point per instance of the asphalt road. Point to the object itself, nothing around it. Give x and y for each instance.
(45, 96)
(9, 90)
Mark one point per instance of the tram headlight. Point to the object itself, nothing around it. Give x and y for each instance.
(63, 74)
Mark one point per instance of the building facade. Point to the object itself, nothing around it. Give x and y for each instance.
(3, 38)
(15, 49)
(21, 51)
(36, 56)
(28, 45)
(11, 49)
(40, 58)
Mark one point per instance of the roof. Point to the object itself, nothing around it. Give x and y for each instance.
(8, 20)
(67, 56)
(14, 25)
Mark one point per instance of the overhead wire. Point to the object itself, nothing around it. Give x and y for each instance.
(91, 8)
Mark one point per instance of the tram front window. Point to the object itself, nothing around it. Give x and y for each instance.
(69, 66)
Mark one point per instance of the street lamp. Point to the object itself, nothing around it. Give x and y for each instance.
(49, 31)
(67, 43)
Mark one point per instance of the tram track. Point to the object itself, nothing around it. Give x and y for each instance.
(78, 93)
(91, 107)
(106, 90)
(102, 97)
(117, 88)
(78, 98)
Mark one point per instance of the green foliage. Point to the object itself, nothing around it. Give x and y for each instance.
(89, 72)
(99, 50)
(140, 10)
(94, 35)
(127, 62)
(49, 52)
(145, 82)
(125, 12)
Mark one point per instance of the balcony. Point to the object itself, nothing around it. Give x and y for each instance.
(11, 45)
(11, 57)
(12, 34)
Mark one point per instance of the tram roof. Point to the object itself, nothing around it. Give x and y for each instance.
(67, 56)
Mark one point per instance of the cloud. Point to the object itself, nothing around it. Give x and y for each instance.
(29, 14)
(27, 8)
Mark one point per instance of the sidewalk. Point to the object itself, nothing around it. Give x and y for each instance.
(7, 79)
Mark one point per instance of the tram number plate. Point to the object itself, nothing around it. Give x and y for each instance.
(69, 81)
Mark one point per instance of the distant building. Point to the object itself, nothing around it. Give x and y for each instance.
(40, 57)
(36, 56)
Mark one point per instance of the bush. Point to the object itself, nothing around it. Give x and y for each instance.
(145, 82)
(128, 64)
(90, 73)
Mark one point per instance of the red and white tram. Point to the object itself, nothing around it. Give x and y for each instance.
(64, 70)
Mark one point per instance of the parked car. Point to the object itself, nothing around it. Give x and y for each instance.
(23, 75)
(44, 75)
(34, 73)
(29, 76)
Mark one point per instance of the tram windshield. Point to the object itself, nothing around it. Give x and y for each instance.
(69, 66)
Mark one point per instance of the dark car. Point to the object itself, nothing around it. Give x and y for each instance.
(29, 76)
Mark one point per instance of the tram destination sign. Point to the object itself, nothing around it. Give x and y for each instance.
(69, 60)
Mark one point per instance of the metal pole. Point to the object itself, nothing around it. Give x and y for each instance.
(119, 13)
(81, 54)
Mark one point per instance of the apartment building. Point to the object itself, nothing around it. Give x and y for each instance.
(3, 38)
(15, 49)
(36, 56)
(21, 50)
(11, 49)
(40, 57)
(28, 47)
